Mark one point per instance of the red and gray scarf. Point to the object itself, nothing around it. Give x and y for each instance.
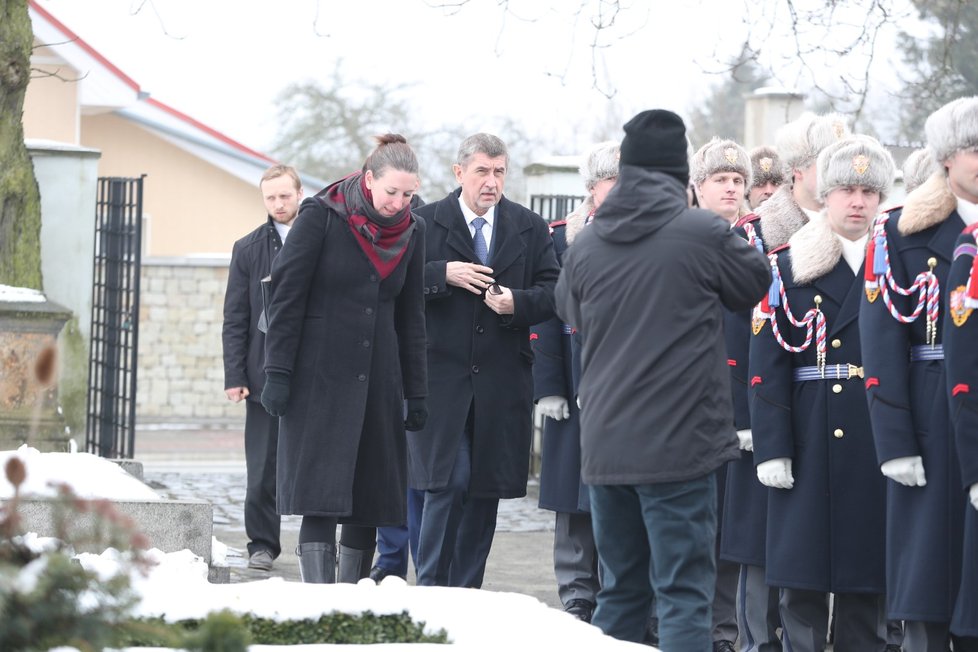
(383, 239)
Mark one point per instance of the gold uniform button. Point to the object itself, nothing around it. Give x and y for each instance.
(836, 344)
(837, 388)
(838, 433)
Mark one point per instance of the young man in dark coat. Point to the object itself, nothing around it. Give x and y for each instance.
(489, 276)
(555, 391)
(244, 357)
(904, 365)
(646, 284)
(961, 349)
(810, 422)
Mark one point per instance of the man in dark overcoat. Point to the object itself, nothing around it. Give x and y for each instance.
(646, 284)
(244, 357)
(810, 422)
(961, 349)
(904, 367)
(489, 276)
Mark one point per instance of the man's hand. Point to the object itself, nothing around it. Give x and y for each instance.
(776, 473)
(554, 407)
(468, 276)
(502, 303)
(237, 394)
(907, 471)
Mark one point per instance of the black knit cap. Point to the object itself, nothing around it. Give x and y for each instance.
(656, 139)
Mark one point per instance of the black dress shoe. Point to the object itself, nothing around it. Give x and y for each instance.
(580, 609)
(377, 573)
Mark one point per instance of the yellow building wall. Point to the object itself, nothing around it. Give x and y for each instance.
(191, 207)
(51, 104)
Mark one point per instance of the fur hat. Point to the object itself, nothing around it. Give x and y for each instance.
(952, 127)
(918, 166)
(656, 139)
(720, 156)
(855, 161)
(601, 162)
(766, 166)
(800, 141)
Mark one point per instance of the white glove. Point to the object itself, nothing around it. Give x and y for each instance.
(746, 439)
(973, 493)
(554, 407)
(907, 471)
(776, 473)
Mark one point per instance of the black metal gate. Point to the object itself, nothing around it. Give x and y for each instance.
(115, 318)
(554, 207)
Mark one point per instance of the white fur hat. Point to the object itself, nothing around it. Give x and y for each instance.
(918, 167)
(720, 156)
(855, 161)
(952, 127)
(800, 141)
(601, 162)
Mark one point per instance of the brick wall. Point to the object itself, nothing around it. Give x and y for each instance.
(180, 375)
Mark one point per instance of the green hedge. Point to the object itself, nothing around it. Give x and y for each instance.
(227, 632)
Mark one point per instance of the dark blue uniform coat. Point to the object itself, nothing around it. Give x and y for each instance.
(477, 358)
(561, 489)
(961, 351)
(827, 532)
(909, 411)
(744, 506)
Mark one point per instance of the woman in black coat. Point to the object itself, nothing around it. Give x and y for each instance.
(345, 347)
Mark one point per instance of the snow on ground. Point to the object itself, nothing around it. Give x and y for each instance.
(177, 585)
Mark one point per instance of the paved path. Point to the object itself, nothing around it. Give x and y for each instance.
(208, 464)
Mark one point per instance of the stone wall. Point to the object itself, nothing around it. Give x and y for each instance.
(180, 375)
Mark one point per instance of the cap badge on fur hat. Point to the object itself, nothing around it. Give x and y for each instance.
(766, 164)
(860, 164)
(730, 154)
(839, 128)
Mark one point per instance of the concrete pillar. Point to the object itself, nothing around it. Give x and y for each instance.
(767, 109)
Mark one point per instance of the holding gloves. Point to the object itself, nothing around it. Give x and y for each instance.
(907, 471)
(776, 473)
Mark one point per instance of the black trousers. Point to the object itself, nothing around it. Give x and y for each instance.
(262, 522)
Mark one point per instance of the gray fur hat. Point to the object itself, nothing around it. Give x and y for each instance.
(855, 161)
(720, 156)
(918, 167)
(800, 141)
(766, 166)
(601, 162)
(952, 127)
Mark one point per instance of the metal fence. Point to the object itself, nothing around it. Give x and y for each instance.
(554, 207)
(115, 318)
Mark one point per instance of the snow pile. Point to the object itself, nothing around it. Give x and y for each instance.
(11, 294)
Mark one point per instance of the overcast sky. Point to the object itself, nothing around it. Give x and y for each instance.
(224, 62)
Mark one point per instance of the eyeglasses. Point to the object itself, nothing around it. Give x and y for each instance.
(494, 289)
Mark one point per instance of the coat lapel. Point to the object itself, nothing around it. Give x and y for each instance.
(942, 242)
(459, 239)
(849, 298)
(507, 246)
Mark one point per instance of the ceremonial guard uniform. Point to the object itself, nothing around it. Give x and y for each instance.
(901, 320)
(961, 349)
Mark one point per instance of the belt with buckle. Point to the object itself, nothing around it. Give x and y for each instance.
(926, 352)
(829, 372)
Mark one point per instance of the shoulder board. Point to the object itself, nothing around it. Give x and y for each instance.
(750, 217)
(777, 250)
(970, 229)
(893, 208)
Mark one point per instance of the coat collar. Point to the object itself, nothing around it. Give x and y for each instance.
(780, 217)
(929, 204)
(577, 219)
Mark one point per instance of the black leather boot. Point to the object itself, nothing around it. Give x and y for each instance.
(317, 562)
(354, 564)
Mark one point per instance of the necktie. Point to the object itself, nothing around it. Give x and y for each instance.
(479, 241)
